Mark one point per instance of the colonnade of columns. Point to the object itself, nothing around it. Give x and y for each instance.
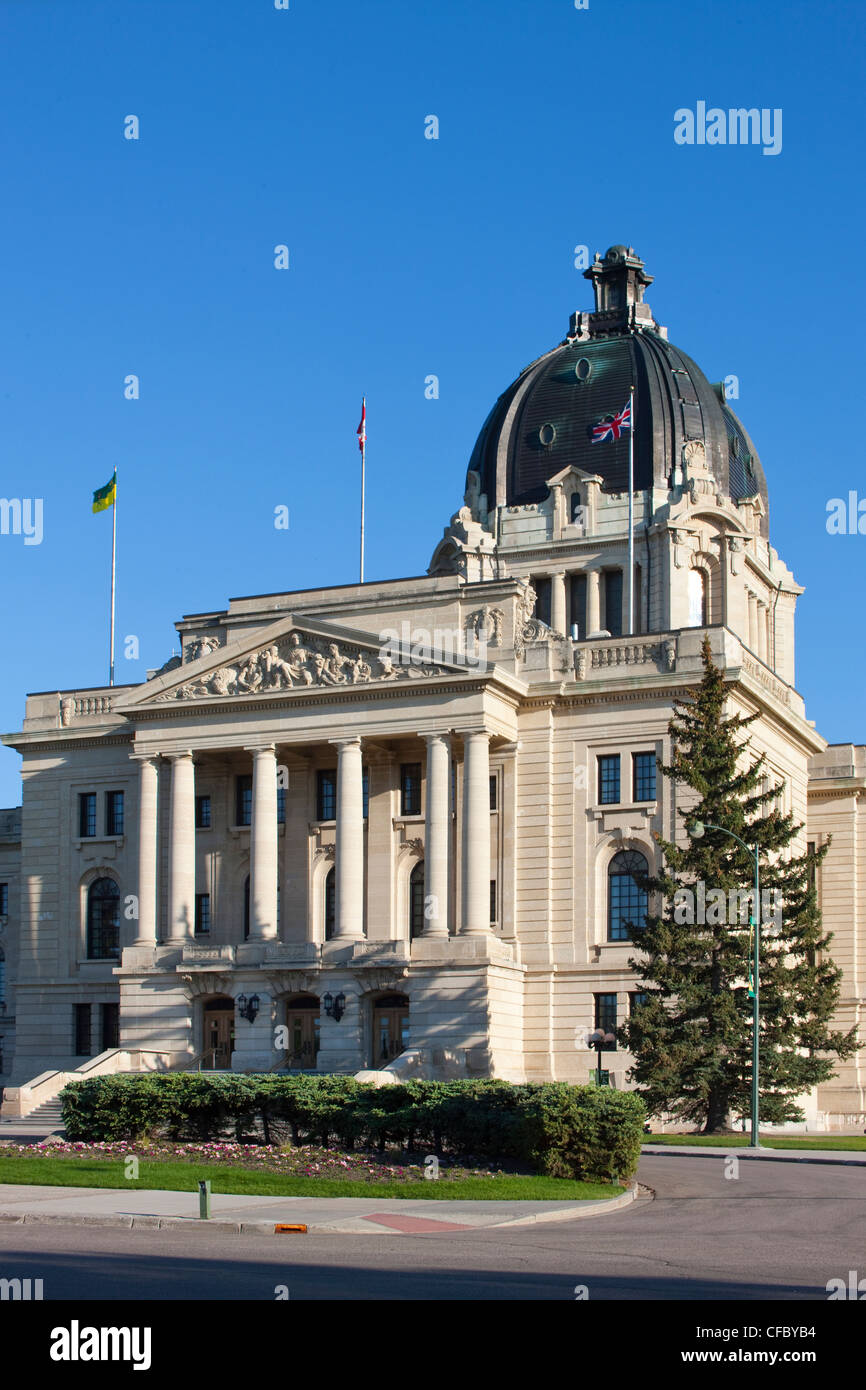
(759, 626)
(474, 900)
(559, 600)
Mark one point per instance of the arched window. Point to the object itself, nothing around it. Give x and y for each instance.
(103, 920)
(626, 899)
(697, 598)
(416, 900)
(330, 904)
(576, 509)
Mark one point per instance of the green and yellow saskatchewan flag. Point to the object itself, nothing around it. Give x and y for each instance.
(104, 497)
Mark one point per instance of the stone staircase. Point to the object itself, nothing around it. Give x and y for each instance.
(45, 1119)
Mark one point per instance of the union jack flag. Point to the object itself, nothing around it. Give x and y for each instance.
(612, 429)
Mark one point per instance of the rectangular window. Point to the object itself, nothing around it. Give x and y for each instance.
(636, 1000)
(202, 914)
(410, 789)
(542, 587)
(613, 602)
(281, 805)
(326, 793)
(577, 616)
(644, 769)
(608, 779)
(605, 1017)
(493, 900)
(202, 813)
(82, 1030)
(110, 1025)
(4, 899)
(244, 799)
(114, 813)
(87, 816)
(365, 792)
(493, 796)
(811, 847)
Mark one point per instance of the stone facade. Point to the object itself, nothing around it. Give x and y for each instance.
(372, 813)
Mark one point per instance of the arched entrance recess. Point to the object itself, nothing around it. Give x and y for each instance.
(218, 1027)
(390, 1027)
(302, 1026)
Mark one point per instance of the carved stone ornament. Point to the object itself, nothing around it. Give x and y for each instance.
(486, 625)
(299, 661)
(326, 851)
(670, 649)
(206, 982)
(200, 646)
(526, 606)
(284, 983)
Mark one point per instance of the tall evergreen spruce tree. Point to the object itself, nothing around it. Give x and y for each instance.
(692, 1035)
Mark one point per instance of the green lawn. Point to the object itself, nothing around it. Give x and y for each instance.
(850, 1142)
(185, 1177)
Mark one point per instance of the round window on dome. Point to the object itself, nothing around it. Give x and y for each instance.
(546, 435)
(583, 369)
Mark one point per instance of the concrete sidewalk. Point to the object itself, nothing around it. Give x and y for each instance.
(852, 1158)
(94, 1206)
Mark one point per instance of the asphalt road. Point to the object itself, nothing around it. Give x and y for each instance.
(778, 1230)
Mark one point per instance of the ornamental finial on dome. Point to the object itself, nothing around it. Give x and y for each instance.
(619, 281)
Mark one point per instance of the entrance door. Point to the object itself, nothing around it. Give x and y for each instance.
(302, 1025)
(390, 1028)
(219, 1035)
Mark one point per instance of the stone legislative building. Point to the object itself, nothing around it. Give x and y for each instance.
(406, 815)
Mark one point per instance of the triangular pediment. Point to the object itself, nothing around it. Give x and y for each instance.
(296, 654)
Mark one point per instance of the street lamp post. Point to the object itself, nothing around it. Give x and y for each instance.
(599, 1039)
(697, 830)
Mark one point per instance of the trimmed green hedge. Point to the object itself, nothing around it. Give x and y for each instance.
(584, 1132)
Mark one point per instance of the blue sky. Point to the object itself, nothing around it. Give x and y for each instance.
(408, 257)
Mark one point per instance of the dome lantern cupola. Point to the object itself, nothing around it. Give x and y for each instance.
(619, 281)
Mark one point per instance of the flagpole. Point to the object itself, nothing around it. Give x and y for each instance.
(113, 558)
(363, 439)
(631, 514)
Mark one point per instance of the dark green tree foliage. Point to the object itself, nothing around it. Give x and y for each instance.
(692, 1038)
(584, 1132)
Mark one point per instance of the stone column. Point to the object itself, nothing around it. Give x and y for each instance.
(476, 834)
(753, 623)
(593, 602)
(349, 868)
(148, 797)
(263, 846)
(437, 835)
(557, 602)
(181, 852)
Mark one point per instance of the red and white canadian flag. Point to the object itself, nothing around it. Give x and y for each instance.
(362, 428)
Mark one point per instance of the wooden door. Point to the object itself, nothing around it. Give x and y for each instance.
(303, 1030)
(219, 1039)
(391, 1033)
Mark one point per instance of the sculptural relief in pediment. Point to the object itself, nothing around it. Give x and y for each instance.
(298, 661)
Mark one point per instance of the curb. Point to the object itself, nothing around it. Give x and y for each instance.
(586, 1210)
(582, 1211)
(762, 1156)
